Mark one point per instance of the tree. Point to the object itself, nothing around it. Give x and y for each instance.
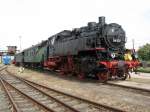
(144, 52)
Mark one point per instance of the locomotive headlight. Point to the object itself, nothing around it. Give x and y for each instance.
(113, 55)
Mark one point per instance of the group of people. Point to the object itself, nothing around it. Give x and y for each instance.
(130, 55)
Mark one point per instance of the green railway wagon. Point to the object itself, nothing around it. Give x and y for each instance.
(35, 54)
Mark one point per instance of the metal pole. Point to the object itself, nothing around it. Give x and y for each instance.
(20, 43)
(133, 43)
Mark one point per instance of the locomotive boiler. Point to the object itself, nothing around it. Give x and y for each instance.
(95, 35)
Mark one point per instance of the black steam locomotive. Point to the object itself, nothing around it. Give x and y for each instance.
(95, 35)
(95, 50)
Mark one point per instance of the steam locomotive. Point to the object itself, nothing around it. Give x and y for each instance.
(96, 50)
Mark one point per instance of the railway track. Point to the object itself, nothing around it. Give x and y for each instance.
(18, 101)
(130, 88)
(47, 98)
(5, 103)
(3, 67)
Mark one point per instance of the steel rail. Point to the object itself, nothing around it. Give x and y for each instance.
(15, 107)
(5, 67)
(56, 100)
(71, 108)
(82, 99)
(75, 97)
(40, 104)
(128, 87)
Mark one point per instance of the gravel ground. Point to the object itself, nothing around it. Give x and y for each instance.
(140, 80)
(141, 75)
(104, 94)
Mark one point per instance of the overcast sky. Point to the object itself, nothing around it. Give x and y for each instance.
(36, 20)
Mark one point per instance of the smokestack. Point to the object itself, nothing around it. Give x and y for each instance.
(102, 20)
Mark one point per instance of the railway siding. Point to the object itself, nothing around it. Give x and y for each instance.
(20, 101)
(55, 100)
(5, 103)
(131, 85)
(119, 97)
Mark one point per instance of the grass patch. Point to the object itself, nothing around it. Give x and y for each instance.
(145, 70)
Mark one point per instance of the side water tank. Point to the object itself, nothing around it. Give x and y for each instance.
(6, 60)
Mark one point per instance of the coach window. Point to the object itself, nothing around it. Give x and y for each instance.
(34, 51)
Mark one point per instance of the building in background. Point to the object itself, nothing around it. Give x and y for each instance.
(6, 56)
(11, 50)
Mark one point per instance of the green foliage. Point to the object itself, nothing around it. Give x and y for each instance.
(144, 70)
(144, 52)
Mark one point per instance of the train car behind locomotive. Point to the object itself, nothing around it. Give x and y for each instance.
(33, 56)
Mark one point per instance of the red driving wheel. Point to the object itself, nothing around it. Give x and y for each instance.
(103, 77)
(81, 75)
(63, 69)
